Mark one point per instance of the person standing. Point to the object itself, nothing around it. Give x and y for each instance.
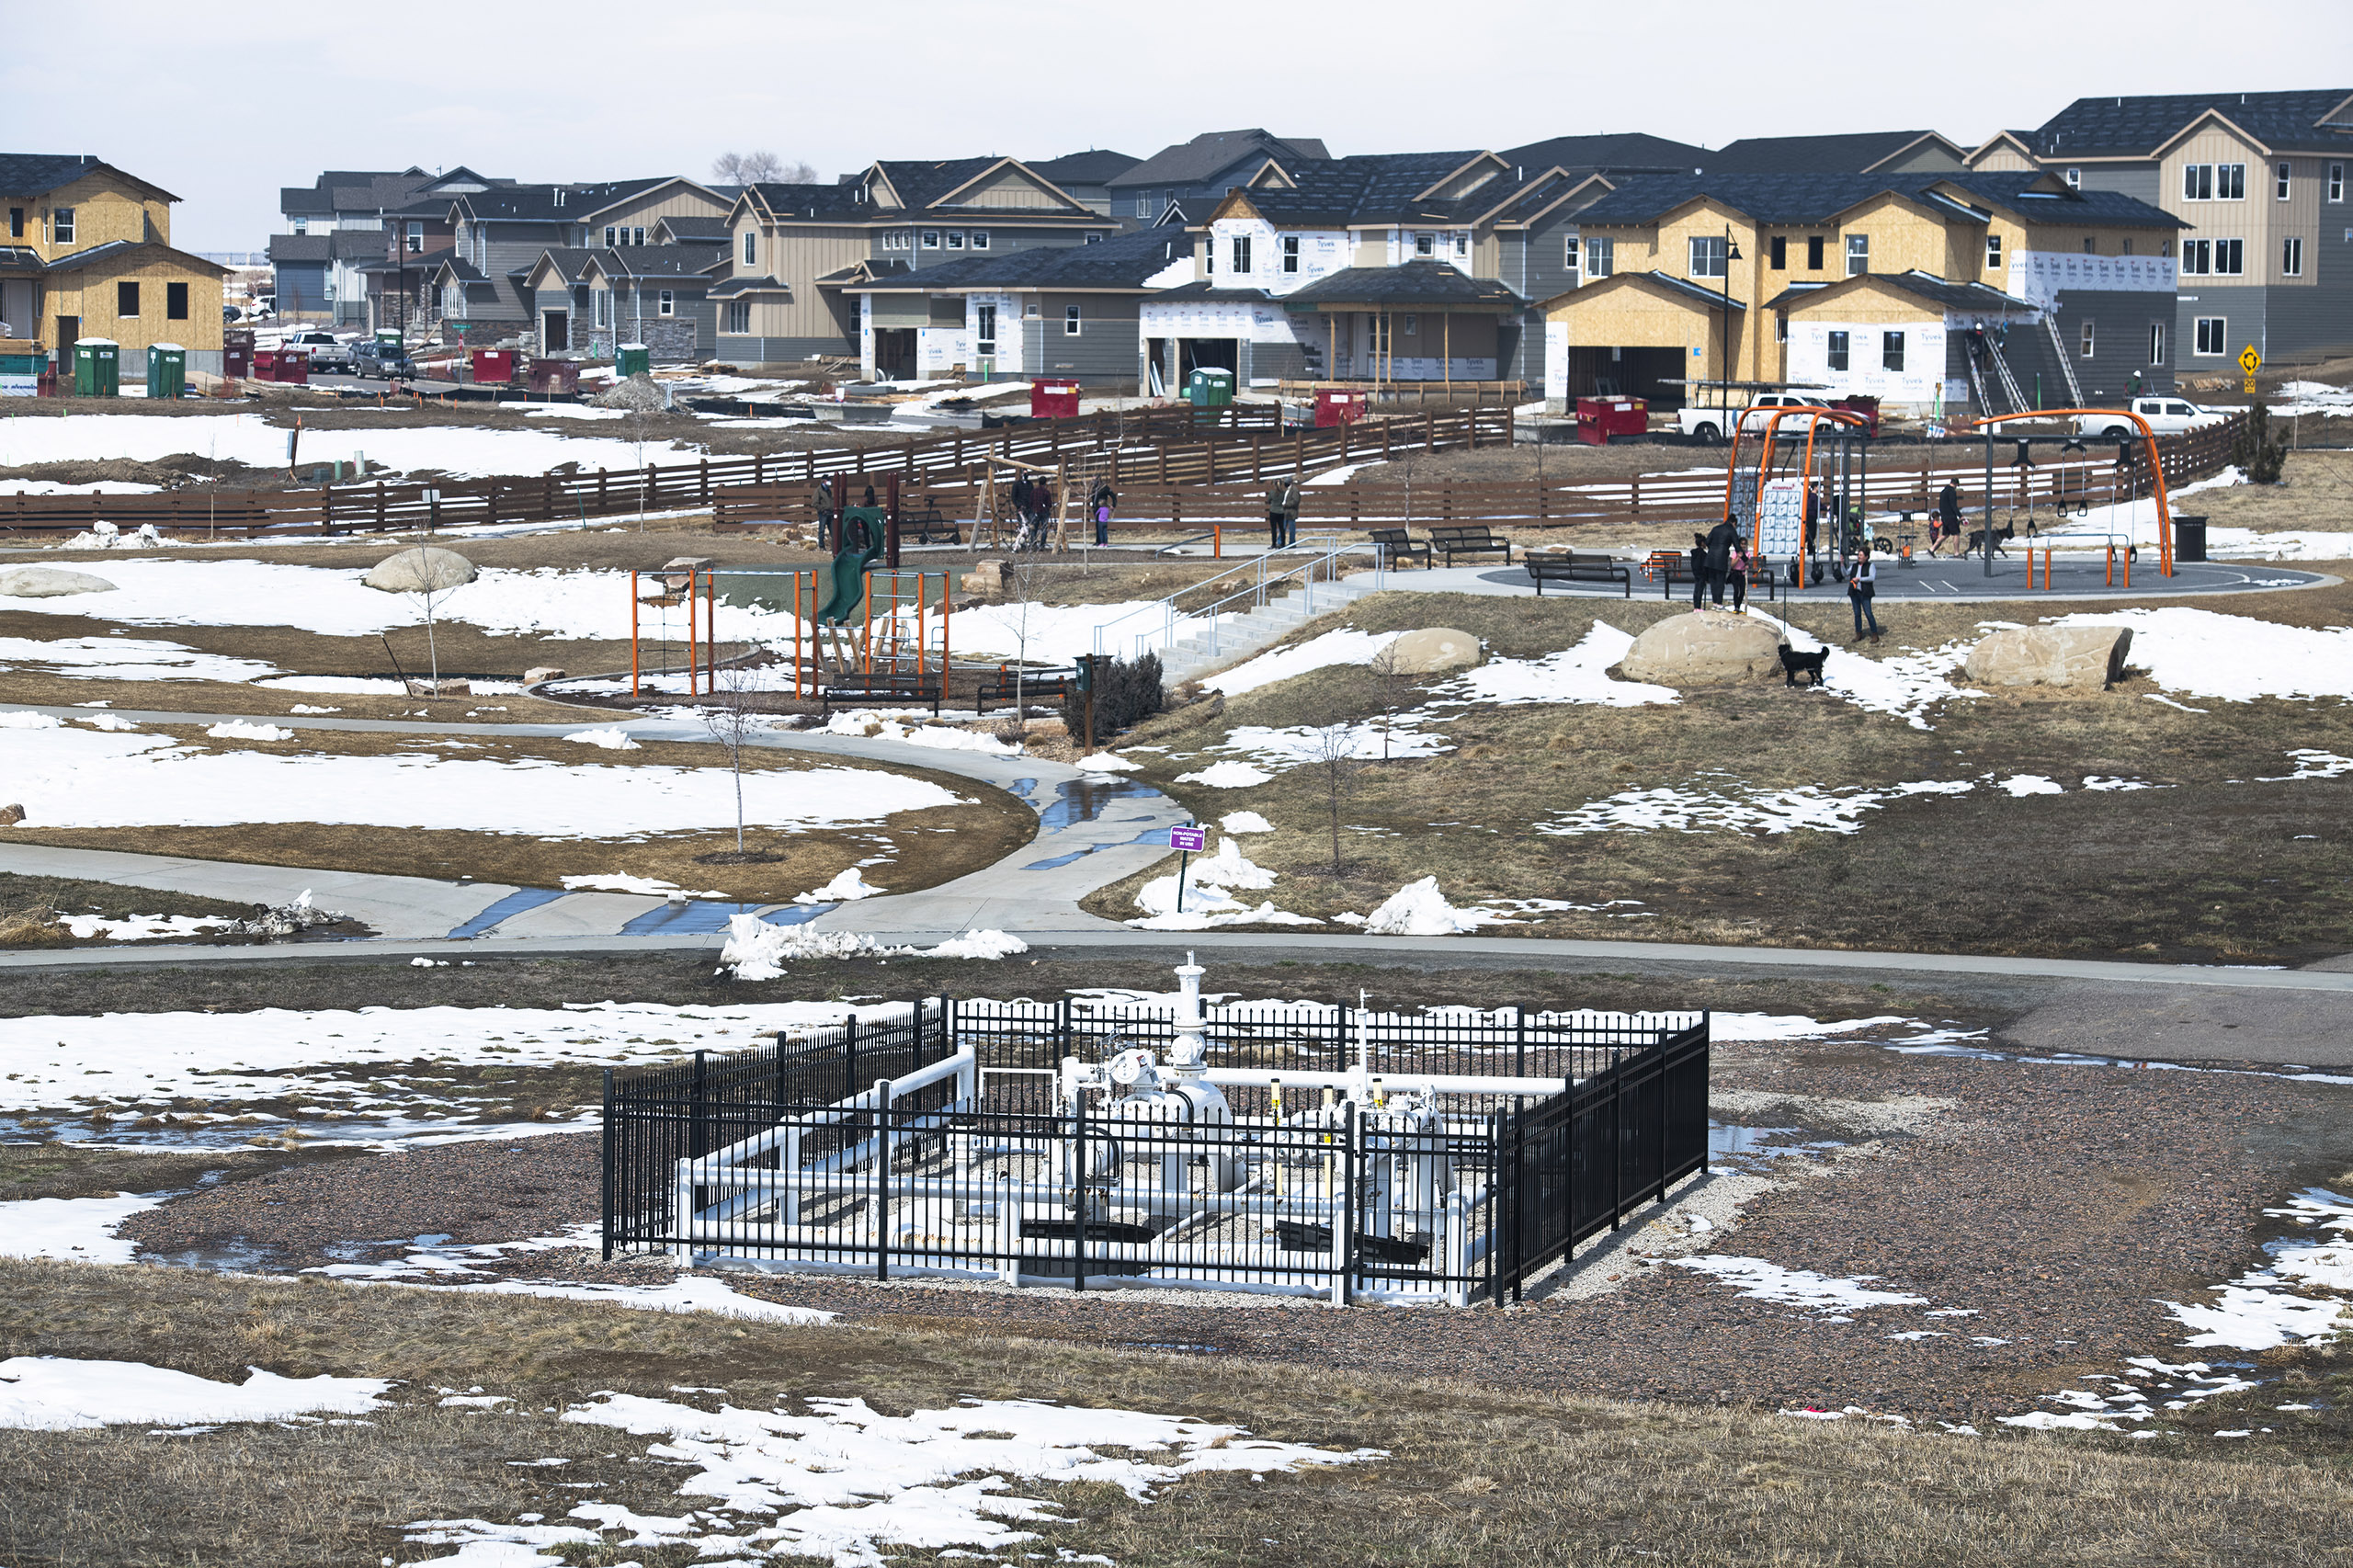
(823, 504)
(1698, 571)
(1100, 504)
(1863, 586)
(1720, 542)
(1736, 567)
(1275, 514)
(1290, 512)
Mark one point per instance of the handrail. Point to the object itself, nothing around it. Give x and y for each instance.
(1322, 563)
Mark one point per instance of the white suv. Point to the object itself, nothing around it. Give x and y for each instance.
(2167, 416)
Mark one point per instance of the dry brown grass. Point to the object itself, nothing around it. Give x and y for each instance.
(931, 846)
(2317, 492)
(2209, 868)
(1474, 1475)
(31, 907)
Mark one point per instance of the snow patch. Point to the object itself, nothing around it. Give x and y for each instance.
(55, 1393)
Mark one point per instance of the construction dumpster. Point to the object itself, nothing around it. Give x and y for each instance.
(167, 370)
(494, 366)
(1599, 418)
(1053, 398)
(553, 377)
(1340, 405)
(237, 352)
(98, 368)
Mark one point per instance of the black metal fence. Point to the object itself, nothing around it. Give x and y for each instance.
(937, 1138)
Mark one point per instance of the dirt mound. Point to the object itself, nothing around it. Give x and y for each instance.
(179, 470)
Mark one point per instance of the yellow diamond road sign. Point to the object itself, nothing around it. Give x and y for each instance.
(2250, 360)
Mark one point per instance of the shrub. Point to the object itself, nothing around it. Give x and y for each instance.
(1126, 694)
(2258, 448)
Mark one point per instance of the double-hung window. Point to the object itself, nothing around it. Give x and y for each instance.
(2213, 337)
(1891, 351)
(1814, 252)
(980, 239)
(60, 225)
(1425, 244)
(1070, 321)
(1573, 259)
(2086, 348)
(1291, 253)
(2292, 257)
(1859, 254)
(669, 303)
(751, 248)
(1242, 252)
(1708, 255)
(2197, 257)
(2156, 342)
(2230, 258)
(739, 317)
(1600, 256)
(985, 331)
(2336, 182)
(1777, 252)
(416, 236)
(2279, 182)
(1993, 253)
(126, 300)
(1839, 357)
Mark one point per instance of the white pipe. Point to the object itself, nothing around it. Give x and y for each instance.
(1395, 1082)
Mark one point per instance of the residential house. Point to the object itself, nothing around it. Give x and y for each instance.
(1703, 278)
(794, 250)
(588, 301)
(1049, 311)
(1887, 154)
(497, 237)
(338, 228)
(1194, 175)
(2259, 182)
(1086, 177)
(87, 253)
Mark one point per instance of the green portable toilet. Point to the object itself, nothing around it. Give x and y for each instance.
(388, 337)
(1209, 388)
(632, 359)
(96, 370)
(167, 370)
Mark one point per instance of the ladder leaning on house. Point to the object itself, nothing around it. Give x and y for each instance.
(2066, 366)
(2002, 369)
(1977, 386)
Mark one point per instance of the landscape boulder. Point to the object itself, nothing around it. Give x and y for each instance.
(49, 583)
(11, 815)
(987, 578)
(1433, 651)
(422, 568)
(543, 672)
(1704, 648)
(2088, 657)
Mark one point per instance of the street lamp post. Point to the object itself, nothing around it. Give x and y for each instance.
(1723, 374)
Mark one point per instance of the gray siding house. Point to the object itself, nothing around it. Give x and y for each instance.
(1192, 176)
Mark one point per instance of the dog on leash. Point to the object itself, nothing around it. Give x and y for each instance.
(2002, 536)
(1794, 663)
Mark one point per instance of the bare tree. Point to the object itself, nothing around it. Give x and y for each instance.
(1388, 671)
(1332, 761)
(733, 718)
(760, 166)
(641, 399)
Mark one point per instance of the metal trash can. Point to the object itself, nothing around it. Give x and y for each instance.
(97, 367)
(632, 359)
(1209, 388)
(2188, 538)
(167, 370)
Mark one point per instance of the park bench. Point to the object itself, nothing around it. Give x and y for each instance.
(1673, 566)
(1401, 548)
(1475, 539)
(1033, 686)
(1568, 566)
(883, 687)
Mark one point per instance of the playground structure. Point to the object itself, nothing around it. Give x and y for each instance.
(1769, 504)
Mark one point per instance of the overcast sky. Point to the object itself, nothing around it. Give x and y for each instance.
(224, 104)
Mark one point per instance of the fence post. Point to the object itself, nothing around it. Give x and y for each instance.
(1344, 1221)
(1079, 1178)
(380, 507)
(1208, 454)
(883, 1114)
(702, 480)
(606, 1175)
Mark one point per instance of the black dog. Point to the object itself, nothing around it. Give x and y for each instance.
(2002, 536)
(1794, 662)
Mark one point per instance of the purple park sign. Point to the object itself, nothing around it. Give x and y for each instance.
(1191, 839)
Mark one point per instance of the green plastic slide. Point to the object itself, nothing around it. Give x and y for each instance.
(850, 565)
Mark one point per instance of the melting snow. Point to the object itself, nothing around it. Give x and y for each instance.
(1763, 1281)
(52, 1393)
(2232, 658)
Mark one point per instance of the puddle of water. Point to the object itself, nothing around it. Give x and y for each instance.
(314, 1132)
(1083, 800)
(1177, 1347)
(1755, 1147)
(513, 904)
(698, 915)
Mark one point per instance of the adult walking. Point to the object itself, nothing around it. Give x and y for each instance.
(823, 503)
(1721, 540)
(1099, 503)
(1948, 519)
(1863, 586)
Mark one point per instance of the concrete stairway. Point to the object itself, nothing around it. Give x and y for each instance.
(1246, 634)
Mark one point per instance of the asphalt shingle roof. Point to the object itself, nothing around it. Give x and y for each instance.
(1092, 168)
(1814, 198)
(539, 203)
(1413, 283)
(1190, 162)
(1623, 151)
(1808, 154)
(1926, 285)
(1121, 261)
(32, 174)
(805, 201)
(2124, 126)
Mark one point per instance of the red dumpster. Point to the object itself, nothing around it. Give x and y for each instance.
(1053, 398)
(237, 352)
(293, 366)
(1340, 405)
(1866, 407)
(494, 366)
(266, 365)
(548, 377)
(1599, 418)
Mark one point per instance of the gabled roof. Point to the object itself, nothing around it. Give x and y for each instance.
(729, 286)
(1619, 153)
(37, 174)
(549, 203)
(1378, 188)
(1857, 153)
(1120, 263)
(300, 247)
(632, 190)
(1095, 166)
(806, 203)
(115, 249)
(567, 262)
(1819, 199)
(867, 270)
(454, 266)
(1962, 298)
(661, 262)
(1682, 288)
(2128, 127)
(1423, 283)
(693, 230)
(377, 193)
(1212, 152)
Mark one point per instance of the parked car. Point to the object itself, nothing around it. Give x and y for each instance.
(323, 349)
(2167, 416)
(382, 361)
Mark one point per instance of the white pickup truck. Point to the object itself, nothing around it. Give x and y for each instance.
(2167, 416)
(1708, 424)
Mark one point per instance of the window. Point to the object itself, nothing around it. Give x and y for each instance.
(1572, 258)
(980, 239)
(669, 303)
(1380, 335)
(2336, 182)
(601, 304)
(1412, 324)
(416, 236)
(1425, 244)
(1890, 350)
(2213, 336)
(2085, 348)
(2230, 182)
(2197, 182)
(1838, 351)
(2091, 244)
(126, 300)
(2197, 257)
(739, 316)
(1144, 204)
(750, 247)
(931, 239)
(2280, 183)
(1291, 253)
(1993, 253)
(1859, 254)
(1242, 252)
(985, 331)
(302, 226)
(1777, 252)
(176, 302)
(61, 225)
(955, 239)
(2230, 256)
(2074, 179)
(637, 236)
(1708, 255)
(1070, 321)
(2292, 258)
(612, 237)
(1094, 239)
(1600, 257)
(2156, 342)
(1462, 244)
(2216, 182)
(16, 222)
(2125, 245)
(1814, 252)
